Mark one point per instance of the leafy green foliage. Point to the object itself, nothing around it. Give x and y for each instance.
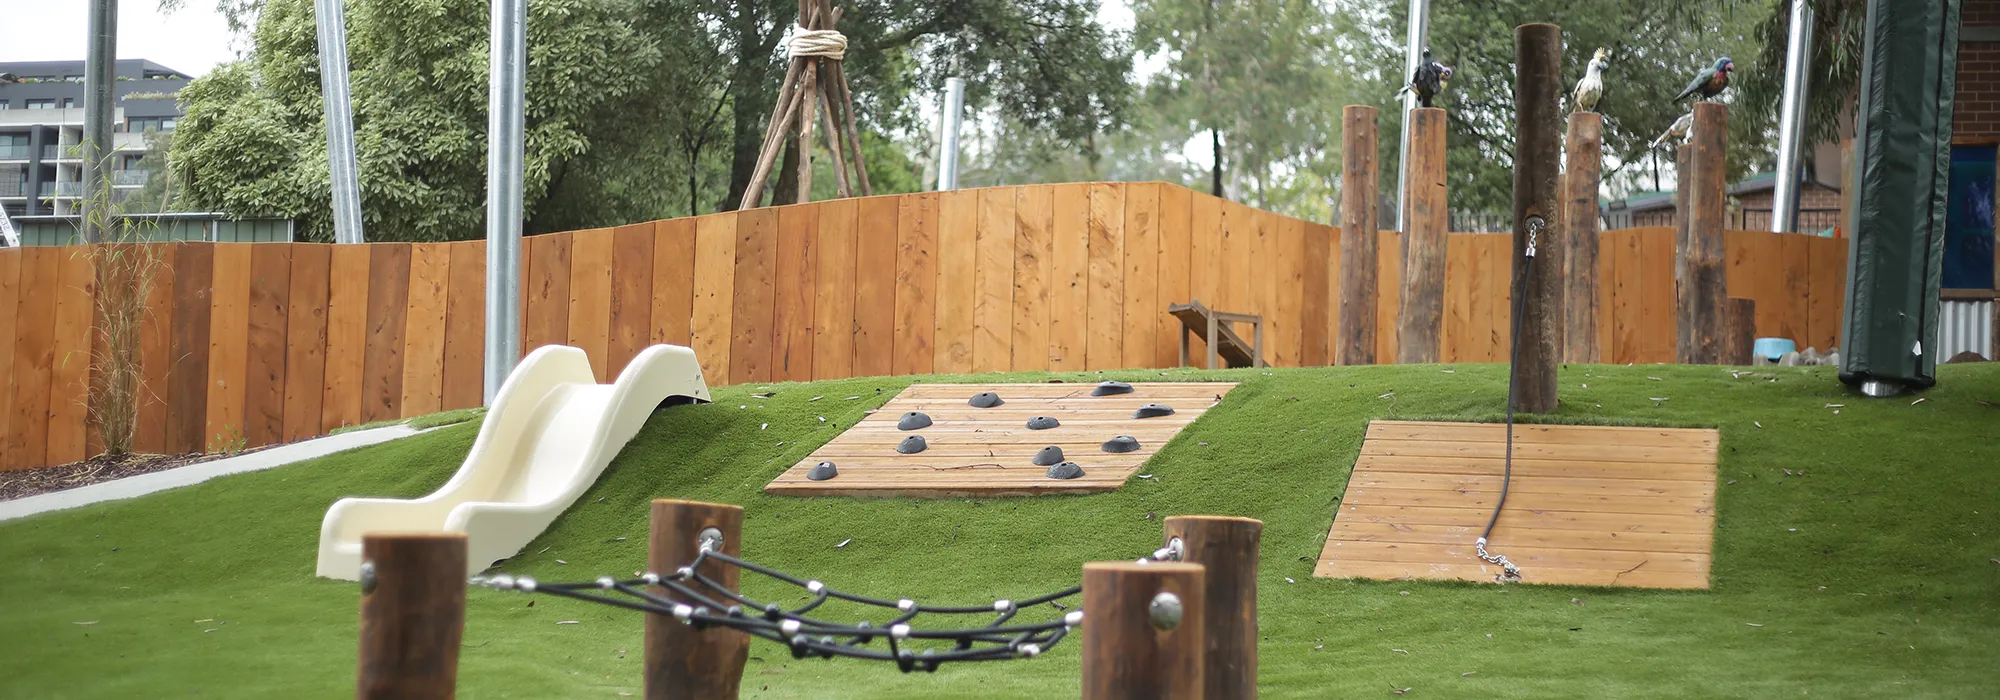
(1045, 64)
(637, 109)
(1655, 47)
(252, 139)
(1834, 80)
(1262, 73)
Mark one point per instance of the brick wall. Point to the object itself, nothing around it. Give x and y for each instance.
(1810, 197)
(1976, 111)
(1979, 13)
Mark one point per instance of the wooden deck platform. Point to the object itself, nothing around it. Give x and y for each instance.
(1588, 505)
(989, 451)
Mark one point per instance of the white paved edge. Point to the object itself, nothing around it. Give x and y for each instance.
(140, 485)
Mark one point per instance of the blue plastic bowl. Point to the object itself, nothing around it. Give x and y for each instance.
(1773, 348)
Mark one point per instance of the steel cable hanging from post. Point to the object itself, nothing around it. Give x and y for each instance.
(1508, 571)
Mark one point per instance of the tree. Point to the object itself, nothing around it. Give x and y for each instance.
(1834, 82)
(1254, 74)
(1045, 64)
(251, 139)
(1655, 46)
(637, 109)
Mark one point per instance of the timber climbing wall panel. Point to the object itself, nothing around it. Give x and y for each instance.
(990, 451)
(1588, 505)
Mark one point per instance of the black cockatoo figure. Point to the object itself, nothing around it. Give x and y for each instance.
(1429, 80)
(1710, 81)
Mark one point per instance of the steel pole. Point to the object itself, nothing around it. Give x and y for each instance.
(342, 172)
(954, 114)
(1420, 34)
(1792, 119)
(99, 67)
(505, 122)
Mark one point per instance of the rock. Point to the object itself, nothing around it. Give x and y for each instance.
(1153, 410)
(823, 471)
(1042, 423)
(1111, 389)
(1122, 443)
(913, 421)
(912, 445)
(985, 399)
(1066, 470)
(1048, 456)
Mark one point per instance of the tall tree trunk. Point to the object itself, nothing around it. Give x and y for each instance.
(753, 91)
(1215, 171)
(787, 190)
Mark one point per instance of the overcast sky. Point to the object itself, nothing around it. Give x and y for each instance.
(191, 40)
(194, 38)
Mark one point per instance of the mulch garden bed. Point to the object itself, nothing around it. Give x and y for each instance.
(30, 482)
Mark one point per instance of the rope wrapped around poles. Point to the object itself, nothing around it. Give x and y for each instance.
(816, 43)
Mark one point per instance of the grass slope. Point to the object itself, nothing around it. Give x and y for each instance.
(1875, 574)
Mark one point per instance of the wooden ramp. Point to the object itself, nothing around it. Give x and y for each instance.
(990, 451)
(1215, 330)
(1588, 505)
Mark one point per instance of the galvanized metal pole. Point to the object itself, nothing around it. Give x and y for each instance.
(1420, 34)
(954, 115)
(1792, 119)
(99, 66)
(339, 107)
(505, 122)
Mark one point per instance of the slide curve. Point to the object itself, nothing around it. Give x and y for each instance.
(547, 436)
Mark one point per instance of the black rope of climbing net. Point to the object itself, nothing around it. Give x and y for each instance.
(705, 603)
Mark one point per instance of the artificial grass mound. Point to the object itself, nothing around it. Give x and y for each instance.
(1869, 569)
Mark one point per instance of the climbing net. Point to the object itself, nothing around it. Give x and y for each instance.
(703, 602)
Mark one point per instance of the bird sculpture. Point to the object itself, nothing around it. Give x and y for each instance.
(1429, 80)
(1591, 87)
(1679, 129)
(1710, 81)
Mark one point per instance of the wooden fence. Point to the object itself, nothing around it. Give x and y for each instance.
(259, 343)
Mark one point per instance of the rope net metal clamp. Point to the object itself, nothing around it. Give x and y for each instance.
(1175, 549)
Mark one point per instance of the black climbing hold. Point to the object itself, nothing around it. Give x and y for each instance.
(912, 445)
(1042, 423)
(1066, 470)
(1122, 443)
(1048, 456)
(822, 472)
(912, 421)
(1153, 410)
(1111, 389)
(985, 399)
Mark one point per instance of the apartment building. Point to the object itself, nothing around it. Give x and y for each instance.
(41, 130)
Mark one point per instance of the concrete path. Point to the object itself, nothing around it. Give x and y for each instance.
(135, 486)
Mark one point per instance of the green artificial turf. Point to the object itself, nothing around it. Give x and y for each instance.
(1874, 573)
(428, 420)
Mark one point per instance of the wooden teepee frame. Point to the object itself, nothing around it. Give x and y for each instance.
(815, 83)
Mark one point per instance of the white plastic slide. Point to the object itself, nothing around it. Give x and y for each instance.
(549, 433)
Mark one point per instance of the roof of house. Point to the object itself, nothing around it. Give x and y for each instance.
(1649, 201)
(60, 68)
